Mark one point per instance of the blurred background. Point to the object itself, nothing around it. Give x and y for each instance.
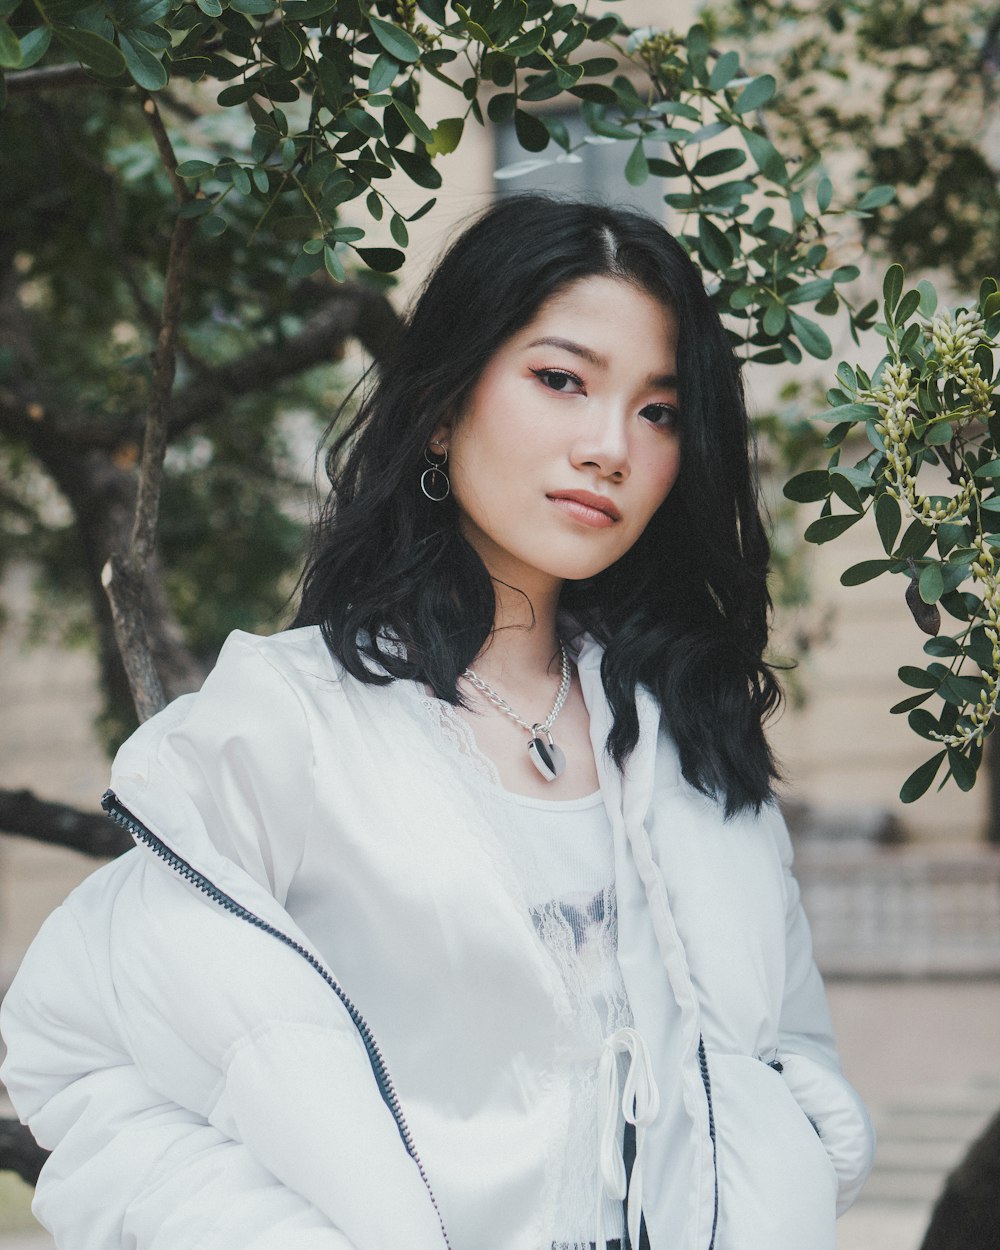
(904, 900)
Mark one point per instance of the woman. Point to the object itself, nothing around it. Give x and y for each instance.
(468, 905)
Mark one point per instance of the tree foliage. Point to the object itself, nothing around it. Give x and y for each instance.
(897, 92)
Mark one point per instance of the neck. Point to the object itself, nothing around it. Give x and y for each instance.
(524, 645)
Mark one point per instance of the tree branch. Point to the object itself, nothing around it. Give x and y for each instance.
(51, 77)
(165, 148)
(124, 576)
(354, 311)
(56, 824)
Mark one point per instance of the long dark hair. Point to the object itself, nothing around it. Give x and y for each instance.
(684, 612)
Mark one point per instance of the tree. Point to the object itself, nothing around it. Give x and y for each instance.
(917, 117)
(124, 261)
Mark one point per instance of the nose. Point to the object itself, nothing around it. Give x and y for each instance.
(603, 445)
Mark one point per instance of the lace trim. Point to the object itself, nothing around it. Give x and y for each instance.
(458, 736)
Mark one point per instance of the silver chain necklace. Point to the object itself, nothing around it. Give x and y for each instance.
(545, 755)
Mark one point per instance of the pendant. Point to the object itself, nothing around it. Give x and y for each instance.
(546, 756)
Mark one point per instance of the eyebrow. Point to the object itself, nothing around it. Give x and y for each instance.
(666, 380)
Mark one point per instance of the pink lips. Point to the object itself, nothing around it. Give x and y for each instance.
(585, 506)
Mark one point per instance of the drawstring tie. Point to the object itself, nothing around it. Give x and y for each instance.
(640, 1101)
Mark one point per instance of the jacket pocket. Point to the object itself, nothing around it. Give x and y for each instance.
(777, 1184)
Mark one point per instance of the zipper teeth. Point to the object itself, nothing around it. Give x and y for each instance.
(123, 817)
(706, 1080)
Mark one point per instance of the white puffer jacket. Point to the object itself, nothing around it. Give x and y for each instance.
(206, 1082)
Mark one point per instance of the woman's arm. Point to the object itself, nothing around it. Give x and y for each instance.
(128, 1166)
(807, 1049)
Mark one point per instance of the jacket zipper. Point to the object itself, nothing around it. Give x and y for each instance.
(707, 1082)
(123, 817)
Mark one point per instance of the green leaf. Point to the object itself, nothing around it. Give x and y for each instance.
(526, 43)
(938, 434)
(905, 705)
(423, 210)
(195, 169)
(333, 263)
(775, 319)
(418, 168)
(530, 130)
(810, 292)
(931, 583)
(808, 487)
(824, 194)
(637, 167)
(829, 527)
(213, 226)
(755, 94)
(888, 519)
(813, 339)
(382, 73)
(381, 259)
(145, 69)
(416, 124)
(962, 769)
(943, 646)
(447, 136)
(915, 541)
(397, 228)
(928, 298)
(909, 675)
(211, 8)
(92, 50)
(892, 286)
(715, 248)
(719, 162)
(397, 42)
(305, 264)
(724, 71)
(346, 234)
(906, 307)
(11, 55)
(858, 574)
(923, 723)
(34, 45)
(877, 197)
(766, 156)
(253, 8)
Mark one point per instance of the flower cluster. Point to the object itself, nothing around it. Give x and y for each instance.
(955, 337)
(980, 716)
(895, 397)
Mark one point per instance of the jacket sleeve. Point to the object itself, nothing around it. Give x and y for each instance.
(808, 1052)
(128, 1167)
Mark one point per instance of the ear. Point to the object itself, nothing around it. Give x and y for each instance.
(441, 436)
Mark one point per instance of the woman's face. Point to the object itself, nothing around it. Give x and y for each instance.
(570, 440)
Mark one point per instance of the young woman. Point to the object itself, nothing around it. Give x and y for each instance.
(462, 906)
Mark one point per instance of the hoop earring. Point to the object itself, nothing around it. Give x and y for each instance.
(434, 481)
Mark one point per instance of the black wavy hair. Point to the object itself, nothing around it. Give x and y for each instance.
(685, 611)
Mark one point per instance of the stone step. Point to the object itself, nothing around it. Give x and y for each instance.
(912, 1155)
(920, 1125)
(919, 1188)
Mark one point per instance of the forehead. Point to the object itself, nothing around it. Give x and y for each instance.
(606, 314)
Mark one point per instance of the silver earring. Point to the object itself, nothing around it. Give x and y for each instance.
(434, 481)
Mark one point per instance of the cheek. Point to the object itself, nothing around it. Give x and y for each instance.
(663, 475)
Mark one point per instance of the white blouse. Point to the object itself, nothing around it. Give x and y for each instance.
(562, 852)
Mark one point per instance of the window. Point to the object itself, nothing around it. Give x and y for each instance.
(596, 170)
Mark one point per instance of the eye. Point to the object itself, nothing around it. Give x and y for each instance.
(559, 380)
(666, 416)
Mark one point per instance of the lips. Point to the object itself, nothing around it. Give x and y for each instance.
(587, 499)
